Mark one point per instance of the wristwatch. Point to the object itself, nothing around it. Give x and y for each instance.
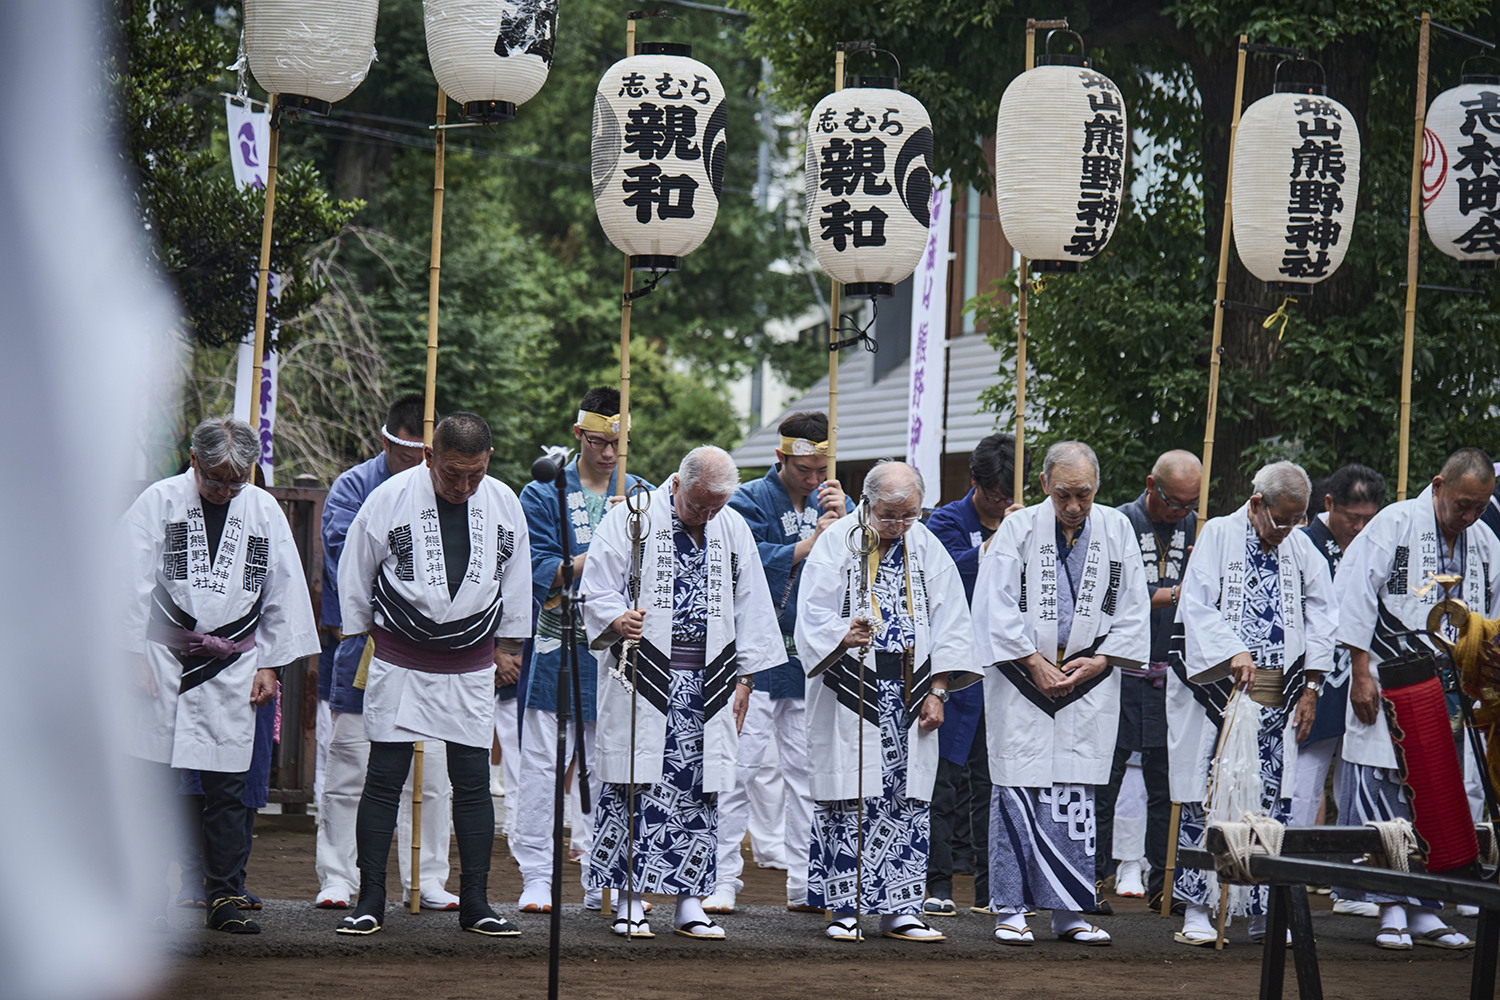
(748, 680)
(941, 694)
(1314, 685)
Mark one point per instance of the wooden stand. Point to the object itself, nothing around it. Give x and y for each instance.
(1412, 241)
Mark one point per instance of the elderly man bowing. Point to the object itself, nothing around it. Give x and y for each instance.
(1256, 620)
(1060, 602)
(916, 618)
(676, 646)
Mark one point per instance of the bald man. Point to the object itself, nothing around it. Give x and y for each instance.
(1165, 520)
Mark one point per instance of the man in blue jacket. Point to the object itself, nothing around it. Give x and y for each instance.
(786, 509)
(963, 527)
(348, 750)
(590, 487)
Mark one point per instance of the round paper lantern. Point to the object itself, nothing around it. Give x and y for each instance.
(490, 55)
(1060, 162)
(869, 185)
(1461, 171)
(658, 154)
(1296, 180)
(310, 52)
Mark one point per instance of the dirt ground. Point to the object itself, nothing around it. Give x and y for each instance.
(281, 867)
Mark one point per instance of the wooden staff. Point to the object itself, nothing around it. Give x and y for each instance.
(628, 285)
(1403, 449)
(1220, 290)
(264, 281)
(833, 324)
(429, 407)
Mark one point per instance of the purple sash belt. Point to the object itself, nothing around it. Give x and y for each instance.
(1155, 672)
(688, 655)
(401, 651)
(198, 643)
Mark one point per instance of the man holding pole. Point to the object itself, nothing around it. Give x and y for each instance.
(1059, 603)
(788, 510)
(1412, 555)
(591, 488)
(1165, 523)
(1253, 640)
(676, 665)
(349, 750)
(436, 568)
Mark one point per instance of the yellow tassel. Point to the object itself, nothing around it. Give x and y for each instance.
(1038, 285)
(1280, 314)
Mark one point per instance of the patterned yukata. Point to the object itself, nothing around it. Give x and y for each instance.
(676, 822)
(1264, 634)
(893, 877)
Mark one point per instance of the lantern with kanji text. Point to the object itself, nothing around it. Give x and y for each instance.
(1461, 171)
(490, 55)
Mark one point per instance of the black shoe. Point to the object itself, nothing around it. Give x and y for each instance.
(474, 912)
(369, 910)
(224, 915)
(1179, 907)
(1101, 909)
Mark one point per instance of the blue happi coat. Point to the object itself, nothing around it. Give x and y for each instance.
(957, 526)
(539, 671)
(777, 527)
(345, 498)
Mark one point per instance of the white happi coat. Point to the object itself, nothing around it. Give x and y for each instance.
(392, 574)
(1035, 741)
(944, 642)
(202, 717)
(1383, 570)
(743, 638)
(1209, 610)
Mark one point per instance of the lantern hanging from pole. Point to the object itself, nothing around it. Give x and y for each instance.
(658, 154)
(310, 52)
(1060, 140)
(490, 55)
(1461, 171)
(869, 185)
(1296, 181)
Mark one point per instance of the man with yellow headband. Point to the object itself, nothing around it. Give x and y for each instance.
(591, 484)
(787, 510)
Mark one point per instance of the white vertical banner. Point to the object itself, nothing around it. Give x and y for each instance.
(249, 142)
(929, 359)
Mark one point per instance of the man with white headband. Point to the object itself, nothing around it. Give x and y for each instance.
(348, 750)
(591, 485)
(787, 510)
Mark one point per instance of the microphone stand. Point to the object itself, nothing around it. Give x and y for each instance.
(571, 708)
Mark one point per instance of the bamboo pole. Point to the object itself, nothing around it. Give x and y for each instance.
(429, 413)
(628, 285)
(1174, 824)
(833, 324)
(1412, 241)
(263, 281)
(1023, 268)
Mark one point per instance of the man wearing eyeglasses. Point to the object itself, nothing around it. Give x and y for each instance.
(1165, 520)
(1411, 555)
(591, 488)
(671, 703)
(1060, 602)
(1255, 619)
(218, 604)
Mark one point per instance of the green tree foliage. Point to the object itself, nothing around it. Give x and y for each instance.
(1119, 352)
(167, 55)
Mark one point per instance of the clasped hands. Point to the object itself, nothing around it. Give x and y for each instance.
(1054, 681)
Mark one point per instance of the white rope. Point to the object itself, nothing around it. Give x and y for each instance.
(1398, 841)
(1255, 834)
(1492, 850)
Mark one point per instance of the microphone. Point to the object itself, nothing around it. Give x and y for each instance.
(547, 468)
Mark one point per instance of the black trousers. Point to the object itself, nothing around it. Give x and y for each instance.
(1158, 815)
(952, 780)
(224, 819)
(473, 809)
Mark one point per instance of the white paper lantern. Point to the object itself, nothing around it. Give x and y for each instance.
(310, 52)
(1060, 142)
(490, 55)
(869, 185)
(1296, 181)
(658, 154)
(1461, 171)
